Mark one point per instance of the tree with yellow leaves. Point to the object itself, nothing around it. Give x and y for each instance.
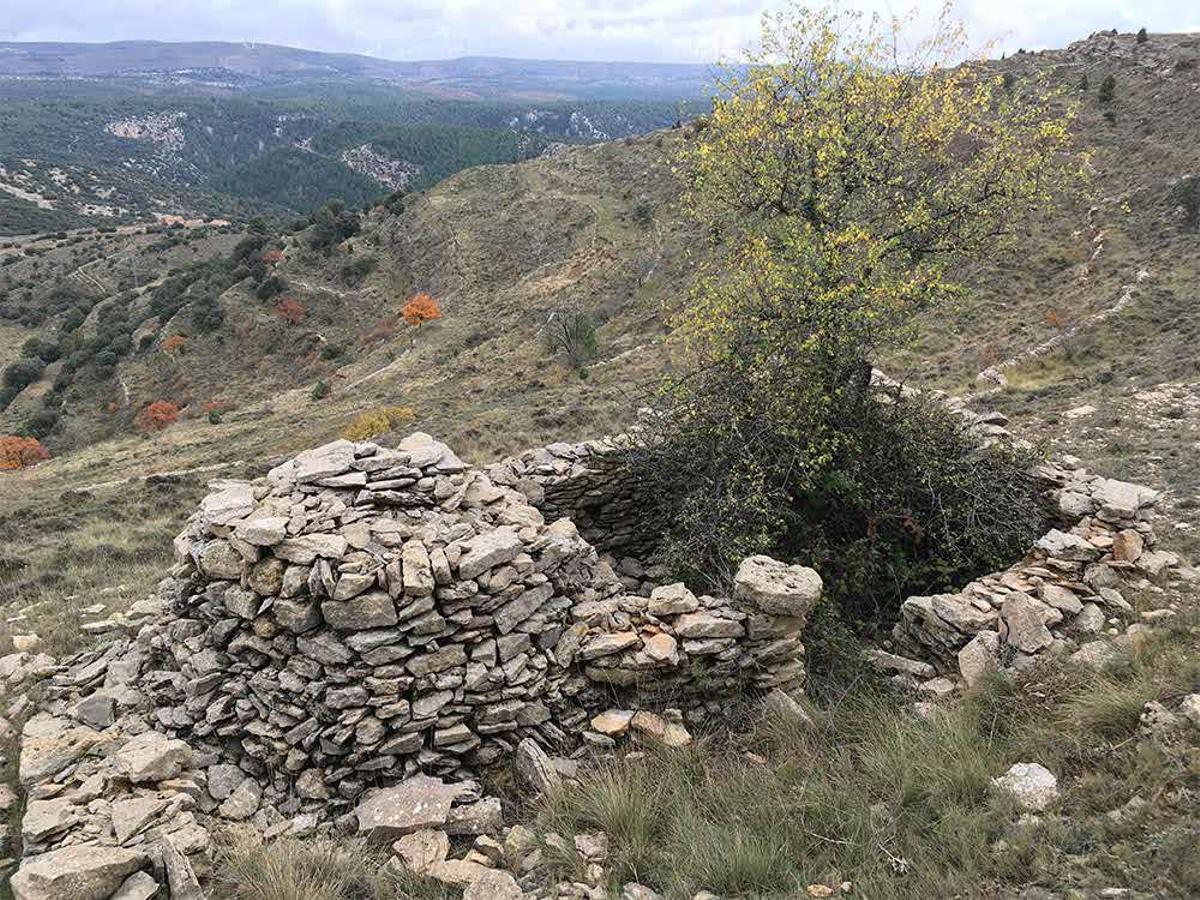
(840, 181)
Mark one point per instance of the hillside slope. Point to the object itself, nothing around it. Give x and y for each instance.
(595, 230)
(1099, 306)
(598, 230)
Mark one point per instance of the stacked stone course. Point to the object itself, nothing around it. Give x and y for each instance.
(590, 484)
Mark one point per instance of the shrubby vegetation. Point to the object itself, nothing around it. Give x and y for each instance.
(332, 224)
(157, 416)
(379, 421)
(419, 309)
(1185, 193)
(837, 184)
(574, 335)
(355, 272)
(18, 452)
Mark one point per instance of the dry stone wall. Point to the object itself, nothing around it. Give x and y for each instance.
(360, 622)
(368, 612)
(1065, 597)
(347, 642)
(588, 483)
(1059, 599)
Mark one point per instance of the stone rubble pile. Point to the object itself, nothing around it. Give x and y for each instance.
(342, 636)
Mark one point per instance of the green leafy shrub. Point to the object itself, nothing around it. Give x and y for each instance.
(332, 224)
(907, 504)
(207, 314)
(357, 269)
(643, 214)
(270, 287)
(1185, 194)
(18, 376)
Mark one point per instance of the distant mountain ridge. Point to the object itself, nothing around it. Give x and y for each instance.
(244, 65)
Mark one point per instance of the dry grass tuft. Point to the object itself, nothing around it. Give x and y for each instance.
(291, 869)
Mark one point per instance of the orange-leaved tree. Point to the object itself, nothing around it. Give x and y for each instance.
(421, 308)
(157, 416)
(19, 452)
(173, 343)
(291, 310)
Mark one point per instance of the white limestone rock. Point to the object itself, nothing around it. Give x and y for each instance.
(84, 872)
(777, 588)
(1031, 785)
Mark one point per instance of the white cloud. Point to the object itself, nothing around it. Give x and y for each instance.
(657, 30)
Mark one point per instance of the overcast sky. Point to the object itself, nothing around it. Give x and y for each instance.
(649, 30)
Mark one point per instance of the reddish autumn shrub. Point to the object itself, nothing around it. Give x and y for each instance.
(271, 257)
(421, 308)
(173, 343)
(157, 416)
(291, 310)
(20, 452)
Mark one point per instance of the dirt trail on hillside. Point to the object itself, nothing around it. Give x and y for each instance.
(175, 473)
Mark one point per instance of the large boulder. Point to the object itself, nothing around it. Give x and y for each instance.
(153, 756)
(776, 588)
(326, 461)
(419, 803)
(75, 873)
(49, 744)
